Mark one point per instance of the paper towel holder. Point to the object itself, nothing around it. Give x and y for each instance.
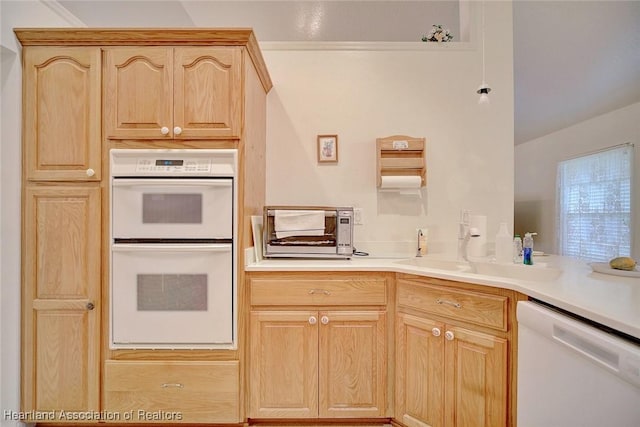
(401, 155)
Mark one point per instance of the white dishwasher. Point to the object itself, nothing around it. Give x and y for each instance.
(571, 373)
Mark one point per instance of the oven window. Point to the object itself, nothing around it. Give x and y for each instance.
(163, 208)
(172, 292)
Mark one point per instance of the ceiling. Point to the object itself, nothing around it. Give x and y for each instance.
(573, 59)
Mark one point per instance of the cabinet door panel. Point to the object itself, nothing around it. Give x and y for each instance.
(207, 92)
(352, 364)
(61, 342)
(284, 364)
(138, 88)
(62, 113)
(477, 374)
(419, 372)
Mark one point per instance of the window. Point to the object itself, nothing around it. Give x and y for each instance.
(594, 205)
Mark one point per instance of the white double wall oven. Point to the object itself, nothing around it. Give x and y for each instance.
(173, 254)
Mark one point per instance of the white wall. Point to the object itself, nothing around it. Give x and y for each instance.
(536, 163)
(13, 14)
(364, 95)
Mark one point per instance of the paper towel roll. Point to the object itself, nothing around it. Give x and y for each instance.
(401, 182)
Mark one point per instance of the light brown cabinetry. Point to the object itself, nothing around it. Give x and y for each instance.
(172, 93)
(61, 247)
(325, 357)
(86, 91)
(62, 113)
(454, 360)
(172, 391)
(61, 295)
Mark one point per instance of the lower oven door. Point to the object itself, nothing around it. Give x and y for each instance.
(172, 296)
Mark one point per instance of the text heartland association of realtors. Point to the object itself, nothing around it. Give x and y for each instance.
(132, 415)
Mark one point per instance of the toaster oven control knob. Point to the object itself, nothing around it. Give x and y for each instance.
(313, 320)
(90, 306)
(177, 130)
(324, 320)
(90, 172)
(164, 130)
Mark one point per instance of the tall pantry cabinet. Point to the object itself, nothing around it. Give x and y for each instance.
(86, 91)
(61, 248)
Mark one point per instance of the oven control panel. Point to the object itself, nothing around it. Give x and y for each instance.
(173, 165)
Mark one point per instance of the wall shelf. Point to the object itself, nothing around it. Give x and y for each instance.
(400, 156)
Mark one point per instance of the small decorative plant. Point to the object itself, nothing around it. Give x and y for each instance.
(437, 34)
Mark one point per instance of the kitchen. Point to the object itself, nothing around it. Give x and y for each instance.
(469, 167)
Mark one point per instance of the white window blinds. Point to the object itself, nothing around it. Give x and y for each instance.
(594, 205)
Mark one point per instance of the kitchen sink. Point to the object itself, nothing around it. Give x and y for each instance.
(438, 264)
(536, 272)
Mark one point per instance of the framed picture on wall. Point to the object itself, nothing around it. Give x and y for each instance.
(327, 148)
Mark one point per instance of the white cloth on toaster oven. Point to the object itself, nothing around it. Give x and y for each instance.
(290, 223)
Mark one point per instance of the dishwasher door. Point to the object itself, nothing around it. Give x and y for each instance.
(573, 374)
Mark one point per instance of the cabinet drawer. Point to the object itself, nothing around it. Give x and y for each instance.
(472, 307)
(294, 291)
(167, 392)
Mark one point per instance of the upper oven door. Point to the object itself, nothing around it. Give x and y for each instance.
(172, 208)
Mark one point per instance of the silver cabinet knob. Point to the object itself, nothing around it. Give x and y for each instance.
(324, 320)
(313, 320)
(449, 336)
(177, 130)
(90, 172)
(164, 130)
(435, 332)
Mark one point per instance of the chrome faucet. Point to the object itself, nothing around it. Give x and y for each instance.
(465, 233)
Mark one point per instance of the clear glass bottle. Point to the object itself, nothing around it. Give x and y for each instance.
(517, 249)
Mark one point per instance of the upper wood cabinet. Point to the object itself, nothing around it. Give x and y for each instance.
(173, 93)
(62, 113)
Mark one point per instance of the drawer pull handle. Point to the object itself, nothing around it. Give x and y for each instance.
(313, 320)
(172, 385)
(324, 320)
(444, 301)
(449, 335)
(435, 332)
(319, 291)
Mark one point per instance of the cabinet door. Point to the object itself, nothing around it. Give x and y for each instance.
(62, 113)
(138, 93)
(61, 328)
(476, 377)
(352, 364)
(419, 371)
(283, 360)
(207, 95)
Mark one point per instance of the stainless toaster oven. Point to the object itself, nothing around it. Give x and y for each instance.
(307, 232)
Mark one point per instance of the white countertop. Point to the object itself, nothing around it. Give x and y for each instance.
(611, 300)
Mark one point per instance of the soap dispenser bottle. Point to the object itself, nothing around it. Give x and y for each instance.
(527, 248)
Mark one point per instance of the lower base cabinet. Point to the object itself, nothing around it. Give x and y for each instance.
(310, 364)
(167, 392)
(454, 380)
(318, 346)
(454, 362)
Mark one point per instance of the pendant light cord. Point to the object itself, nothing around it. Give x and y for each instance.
(483, 80)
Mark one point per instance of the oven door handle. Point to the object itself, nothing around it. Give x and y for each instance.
(167, 247)
(128, 182)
